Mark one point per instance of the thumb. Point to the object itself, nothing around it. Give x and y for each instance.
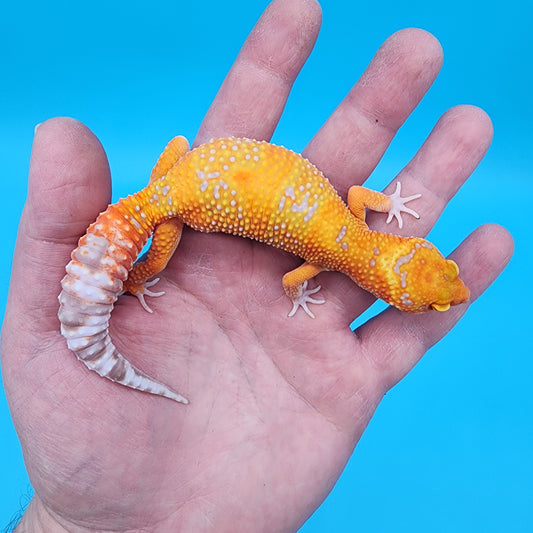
(68, 186)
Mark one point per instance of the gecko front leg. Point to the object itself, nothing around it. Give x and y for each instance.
(360, 198)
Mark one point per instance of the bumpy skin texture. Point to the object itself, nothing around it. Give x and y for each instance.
(251, 189)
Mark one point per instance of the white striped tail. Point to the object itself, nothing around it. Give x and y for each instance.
(93, 282)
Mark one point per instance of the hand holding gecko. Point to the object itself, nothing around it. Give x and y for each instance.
(278, 403)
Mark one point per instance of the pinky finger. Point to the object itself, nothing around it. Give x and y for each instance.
(395, 341)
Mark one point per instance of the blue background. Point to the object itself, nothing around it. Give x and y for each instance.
(450, 448)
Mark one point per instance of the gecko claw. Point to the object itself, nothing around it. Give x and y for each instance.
(304, 298)
(398, 205)
(143, 291)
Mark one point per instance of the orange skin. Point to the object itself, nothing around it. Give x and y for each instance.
(270, 194)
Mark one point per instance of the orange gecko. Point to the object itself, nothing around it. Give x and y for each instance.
(257, 190)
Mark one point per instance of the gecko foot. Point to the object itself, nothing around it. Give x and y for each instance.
(398, 205)
(143, 291)
(303, 298)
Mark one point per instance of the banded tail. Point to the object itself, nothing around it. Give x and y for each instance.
(95, 275)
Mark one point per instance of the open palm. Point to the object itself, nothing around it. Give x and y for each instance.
(277, 404)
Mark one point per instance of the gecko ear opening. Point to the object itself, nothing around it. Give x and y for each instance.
(440, 307)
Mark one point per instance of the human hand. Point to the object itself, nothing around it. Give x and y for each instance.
(277, 404)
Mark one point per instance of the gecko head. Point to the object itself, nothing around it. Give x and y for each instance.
(449, 288)
(426, 280)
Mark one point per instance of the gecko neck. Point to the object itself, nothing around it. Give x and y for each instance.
(368, 249)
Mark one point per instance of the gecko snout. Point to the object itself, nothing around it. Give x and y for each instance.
(453, 290)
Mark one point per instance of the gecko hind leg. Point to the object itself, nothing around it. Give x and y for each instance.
(295, 285)
(165, 238)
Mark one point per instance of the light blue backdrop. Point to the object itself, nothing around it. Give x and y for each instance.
(450, 448)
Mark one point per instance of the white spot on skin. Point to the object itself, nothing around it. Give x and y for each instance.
(137, 208)
(281, 203)
(300, 208)
(403, 278)
(344, 246)
(289, 192)
(403, 260)
(165, 190)
(404, 298)
(204, 186)
(376, 251)
(216, 192)
(341, 234)
(372, 263)
(200, 174)
(311, 212)
(213, 175)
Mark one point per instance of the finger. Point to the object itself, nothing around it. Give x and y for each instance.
(68, 182)
(393, 342)
(352, 141)
(68, 185)
(447, 158)
(253, 95)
